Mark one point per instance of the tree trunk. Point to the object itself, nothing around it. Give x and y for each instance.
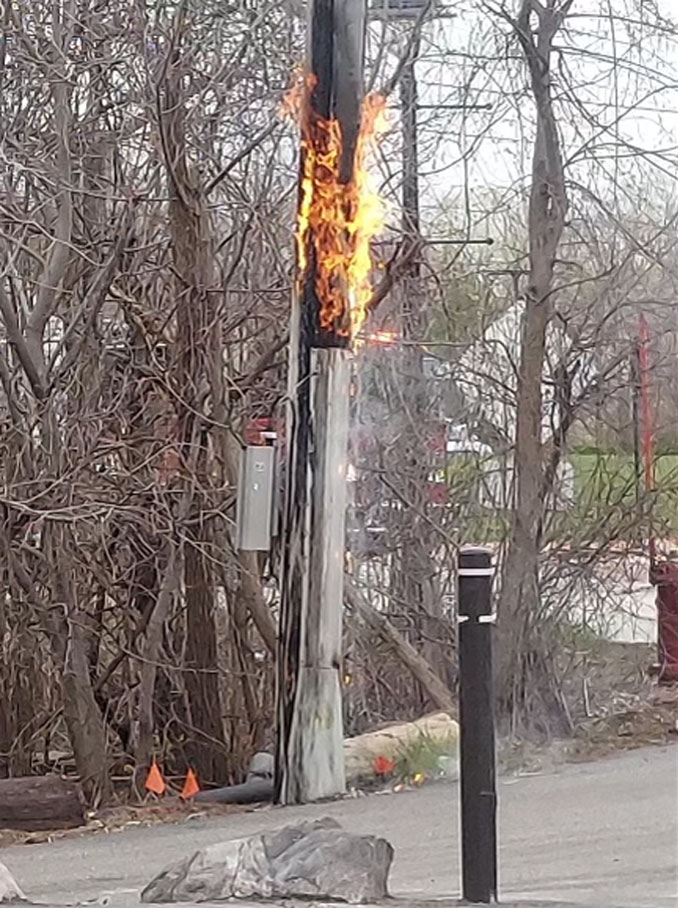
(85, 723)
(150, 651)
(253, 598)
(523, 669)
(19, 670)
(198, 360)
(71, 644)
(206, 748)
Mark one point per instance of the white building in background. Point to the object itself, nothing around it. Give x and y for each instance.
(486, 376)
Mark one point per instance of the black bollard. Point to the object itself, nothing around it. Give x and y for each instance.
(476, 720)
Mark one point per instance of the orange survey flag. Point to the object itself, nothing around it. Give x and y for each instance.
(155, 781)
(191, 786)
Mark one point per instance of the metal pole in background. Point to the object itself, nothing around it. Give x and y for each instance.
(410, 212)
(476, 720)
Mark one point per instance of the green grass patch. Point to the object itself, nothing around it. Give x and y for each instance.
(606, 481)
(607, 491)
(426, 757)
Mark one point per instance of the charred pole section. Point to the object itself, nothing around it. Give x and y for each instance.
(320, 112)
(309, 751)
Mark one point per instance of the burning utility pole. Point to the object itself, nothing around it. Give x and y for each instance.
(336, 219)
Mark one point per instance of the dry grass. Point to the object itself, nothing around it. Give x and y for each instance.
(112, 819)
(614, 703)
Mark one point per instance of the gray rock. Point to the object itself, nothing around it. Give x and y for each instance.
(311, 860)
(9, 889)
(262, 766)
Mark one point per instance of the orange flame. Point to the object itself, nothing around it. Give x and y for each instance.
(337, 221)
(294, 100)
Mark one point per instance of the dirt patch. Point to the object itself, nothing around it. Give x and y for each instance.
(114, 818)
(614, 704)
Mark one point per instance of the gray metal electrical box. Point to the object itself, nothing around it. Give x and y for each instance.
(255, 498)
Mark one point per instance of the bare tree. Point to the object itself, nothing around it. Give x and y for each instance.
(535, 28)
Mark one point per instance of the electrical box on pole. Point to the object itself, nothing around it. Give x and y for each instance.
(254, 520)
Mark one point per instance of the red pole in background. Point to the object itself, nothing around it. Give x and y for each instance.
(663, 575)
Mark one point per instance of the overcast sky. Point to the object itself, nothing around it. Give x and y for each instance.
(619, 102)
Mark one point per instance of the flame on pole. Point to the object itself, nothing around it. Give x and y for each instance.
(338, 213)
(339, 210)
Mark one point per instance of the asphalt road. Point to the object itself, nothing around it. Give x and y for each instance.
(598, 834)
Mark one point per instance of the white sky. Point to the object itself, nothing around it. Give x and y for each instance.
(623, 78)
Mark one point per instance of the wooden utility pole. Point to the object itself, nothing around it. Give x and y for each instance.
(309, 754)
